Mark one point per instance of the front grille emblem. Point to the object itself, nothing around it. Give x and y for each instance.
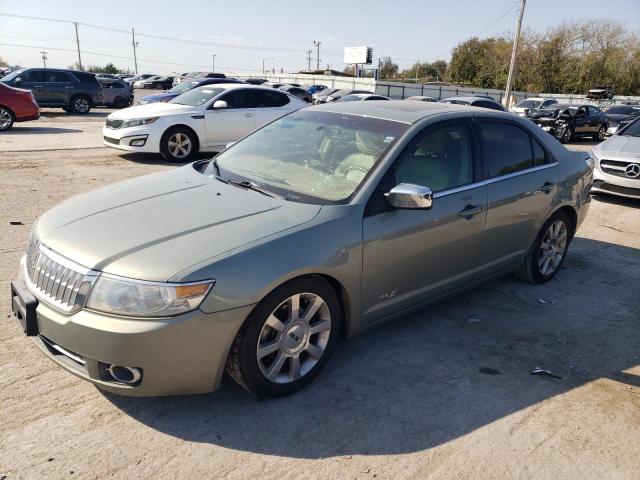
(632, 170)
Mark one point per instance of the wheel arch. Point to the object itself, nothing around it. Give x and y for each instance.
(187, 127)
(571, 212)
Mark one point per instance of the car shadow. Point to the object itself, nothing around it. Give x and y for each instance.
(439, 373)
(33, 130)
(62, 113)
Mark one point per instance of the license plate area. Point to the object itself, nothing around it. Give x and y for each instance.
(23, 305)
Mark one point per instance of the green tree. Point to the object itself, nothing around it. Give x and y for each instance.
(388, 69)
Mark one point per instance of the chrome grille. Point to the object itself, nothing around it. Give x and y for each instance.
(617, 168)
(55, 279)
(113, 123)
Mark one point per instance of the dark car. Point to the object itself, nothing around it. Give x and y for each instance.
(184, 86)
(210, 75)
(301, 93)
(16, 105)
(256, 81)
(567, 121)
(72, 90)
(620, 116)
(476, 101)
(116, 93)
(160, 83)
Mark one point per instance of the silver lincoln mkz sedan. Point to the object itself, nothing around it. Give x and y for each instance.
(323, 223)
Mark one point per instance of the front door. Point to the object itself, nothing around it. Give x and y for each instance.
(34, 80)
(226, 125)
(411, 256)
(582, 121)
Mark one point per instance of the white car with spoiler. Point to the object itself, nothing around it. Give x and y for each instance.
(204, 119)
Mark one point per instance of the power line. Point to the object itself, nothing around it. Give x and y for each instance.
(157, 37)
(496, 21)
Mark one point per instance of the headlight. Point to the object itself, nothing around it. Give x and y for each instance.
(136, 122)
(146, 299)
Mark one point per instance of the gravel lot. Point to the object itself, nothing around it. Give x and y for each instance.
(404, 401)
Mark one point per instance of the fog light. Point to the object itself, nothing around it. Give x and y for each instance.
(126, 375)
(139, 142)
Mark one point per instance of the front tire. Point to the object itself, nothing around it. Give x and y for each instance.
(6, 119)
(287, 339)
(566, 135)
(80, 104)
(178, 144)
(547, 254)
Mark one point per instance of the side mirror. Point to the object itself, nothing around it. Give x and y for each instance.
(17, 81)
(230, 144)
(218, 104)
(407, 195)
(526, 112)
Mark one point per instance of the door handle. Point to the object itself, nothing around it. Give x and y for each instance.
(470, 210)
(547, 187)
(37, 86)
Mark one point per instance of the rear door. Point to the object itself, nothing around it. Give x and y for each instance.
(226, 125)
(269, 105)
(411, 256)
(521, 179)
(59, 86)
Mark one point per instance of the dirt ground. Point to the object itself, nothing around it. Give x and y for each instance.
(408, 400)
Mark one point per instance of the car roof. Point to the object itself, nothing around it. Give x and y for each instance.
(401, 111)
(471, 99)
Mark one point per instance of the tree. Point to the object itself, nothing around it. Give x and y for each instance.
(388, 69)
(3, 63)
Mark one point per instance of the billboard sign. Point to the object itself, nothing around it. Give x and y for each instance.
(360, 55)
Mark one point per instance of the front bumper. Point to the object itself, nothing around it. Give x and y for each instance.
(122, 139)
(185, 354)
(615, 185)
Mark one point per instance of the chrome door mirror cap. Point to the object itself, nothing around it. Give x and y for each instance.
(407, 195)
(219, 104)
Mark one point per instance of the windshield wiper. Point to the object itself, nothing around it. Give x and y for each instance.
(248, 185)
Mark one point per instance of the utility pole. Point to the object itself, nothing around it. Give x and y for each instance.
(135, 44)
(264, 60)
(75, 24)
(213, 64)
(417, 68)
(317, 45)
(514, 53)
(44, 57)
(309, 52)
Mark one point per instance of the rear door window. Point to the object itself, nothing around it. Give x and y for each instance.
(267, 99)
(506, 148)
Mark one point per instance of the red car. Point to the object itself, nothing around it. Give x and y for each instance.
(16, 105)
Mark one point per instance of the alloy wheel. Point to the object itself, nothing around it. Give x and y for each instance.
(5, 119)
(601, 133)
(81, 105)
(566, 135)
(179, 145)
(294, 338)
(552, 248)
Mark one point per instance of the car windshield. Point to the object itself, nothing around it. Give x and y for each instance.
(529, 104)
(624, 110)
(632, 130)
(197, 96)
(184, 87)
(12, 75)
(310, 156)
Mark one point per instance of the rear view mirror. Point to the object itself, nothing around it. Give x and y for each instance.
(219, 104)
(407, 195)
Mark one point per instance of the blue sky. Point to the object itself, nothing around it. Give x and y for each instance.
(404, 30)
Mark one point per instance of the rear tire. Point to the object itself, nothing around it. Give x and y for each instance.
(178, 144)
(600, 136)
(6, 119)
(80, 104)
(287, 339)
(549, 250)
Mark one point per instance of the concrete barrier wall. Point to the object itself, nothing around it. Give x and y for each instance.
(397, 90)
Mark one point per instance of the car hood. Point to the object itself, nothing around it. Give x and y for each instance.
(620, 146)
(155, 226)
(153, 110)
(159, 97)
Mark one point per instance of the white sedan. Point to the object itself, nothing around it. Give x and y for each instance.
(204, 119)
